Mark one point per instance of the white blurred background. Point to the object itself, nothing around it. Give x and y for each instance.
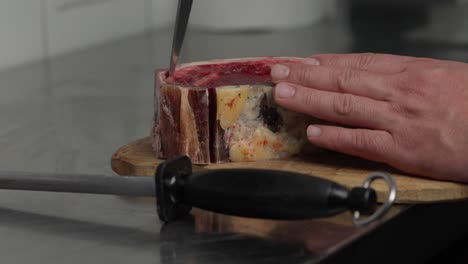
(31, 30)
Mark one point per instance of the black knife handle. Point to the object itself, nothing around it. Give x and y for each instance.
(254, 193)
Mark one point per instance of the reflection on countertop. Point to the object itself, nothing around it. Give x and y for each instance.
(299, 240)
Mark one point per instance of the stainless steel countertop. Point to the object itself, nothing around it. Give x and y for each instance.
(69, 114)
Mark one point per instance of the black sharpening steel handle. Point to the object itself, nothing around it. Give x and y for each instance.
(254, 193)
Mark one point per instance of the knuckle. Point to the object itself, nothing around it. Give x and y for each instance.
(354, 142)
(375, 144)
(411, 82)
(343, 104)
(344, 78)
(302, 74)
(337, 140)
(388, 94)
(401, 110)
(308, 99)
(359, 141)
(381, 145)
(365, 60)
(333, 60)
(407, 139)
(435, 73)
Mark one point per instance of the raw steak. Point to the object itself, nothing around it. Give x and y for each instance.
(223, 110)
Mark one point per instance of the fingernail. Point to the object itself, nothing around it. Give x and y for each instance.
(311, 61)
(284, 91)
(313, 131)
(279, 72)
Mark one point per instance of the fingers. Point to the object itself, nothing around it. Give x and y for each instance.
(335, 107)
(368, 144)
(335, 79)
(383, 63)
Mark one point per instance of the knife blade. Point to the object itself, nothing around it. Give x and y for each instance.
(183, 14)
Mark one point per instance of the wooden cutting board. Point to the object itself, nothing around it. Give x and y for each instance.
(137, 158)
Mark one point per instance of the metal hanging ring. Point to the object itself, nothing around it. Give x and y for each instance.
(392, 190)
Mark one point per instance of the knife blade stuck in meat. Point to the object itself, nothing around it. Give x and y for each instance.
(183, 14)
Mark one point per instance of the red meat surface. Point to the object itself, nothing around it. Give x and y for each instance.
(186, 114)
(231, 73)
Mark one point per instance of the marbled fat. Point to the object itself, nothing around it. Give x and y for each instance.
(222, 111)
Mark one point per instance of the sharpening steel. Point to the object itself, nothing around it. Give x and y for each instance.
(241, 192)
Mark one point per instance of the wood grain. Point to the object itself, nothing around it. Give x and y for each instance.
(137, 158)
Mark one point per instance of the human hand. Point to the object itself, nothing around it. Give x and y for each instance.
(410, 113)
